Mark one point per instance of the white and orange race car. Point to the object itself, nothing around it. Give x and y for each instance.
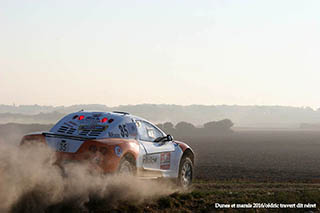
(118, 142)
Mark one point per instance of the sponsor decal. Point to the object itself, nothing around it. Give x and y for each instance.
(149, 159)
(93, 127)
(114, 135)
(63, 146)
(118, 150)
(165, 160)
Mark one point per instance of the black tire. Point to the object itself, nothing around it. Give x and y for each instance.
(126, 167)
(185, 177)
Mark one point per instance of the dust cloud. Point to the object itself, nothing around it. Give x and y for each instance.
(30, 182)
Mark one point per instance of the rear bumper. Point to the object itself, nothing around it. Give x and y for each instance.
(97, 153)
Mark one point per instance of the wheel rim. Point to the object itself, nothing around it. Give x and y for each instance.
(186, 174)
(125, 168)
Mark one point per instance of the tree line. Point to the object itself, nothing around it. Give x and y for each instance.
(184, 129)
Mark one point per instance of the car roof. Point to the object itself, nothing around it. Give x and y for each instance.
(89, 119)
(99, 113)
(114, 114)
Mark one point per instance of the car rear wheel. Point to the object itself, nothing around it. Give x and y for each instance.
(185, 172)
(126, 167)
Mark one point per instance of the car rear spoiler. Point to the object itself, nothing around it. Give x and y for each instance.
(53, 135)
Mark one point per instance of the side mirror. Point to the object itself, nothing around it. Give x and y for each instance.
(169, 138)
(164, 139)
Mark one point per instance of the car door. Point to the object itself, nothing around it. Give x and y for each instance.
(157, 154)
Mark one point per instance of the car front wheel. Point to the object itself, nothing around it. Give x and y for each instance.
(185, 172)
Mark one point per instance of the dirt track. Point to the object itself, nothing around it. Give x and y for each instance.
(204, 197)
(242, 167)
(259, 156)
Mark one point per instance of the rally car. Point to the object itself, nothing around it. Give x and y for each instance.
(118, 142)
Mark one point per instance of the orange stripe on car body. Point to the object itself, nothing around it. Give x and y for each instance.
(103, 153)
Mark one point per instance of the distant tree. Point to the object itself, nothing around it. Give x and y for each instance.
(223, 124)
(184, 126)
(168, 125)
(168, 128)
(185, 129)
(227, 123)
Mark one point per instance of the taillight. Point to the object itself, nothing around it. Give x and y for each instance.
(103, 120)
(81, 117)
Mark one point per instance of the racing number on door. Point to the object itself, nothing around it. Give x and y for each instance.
(123, 131)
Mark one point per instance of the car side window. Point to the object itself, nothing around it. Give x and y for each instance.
(148, 132)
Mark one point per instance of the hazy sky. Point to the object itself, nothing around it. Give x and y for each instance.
(157, 51)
